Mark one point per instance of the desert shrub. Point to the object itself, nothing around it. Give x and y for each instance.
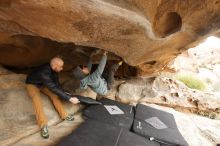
(192, 82)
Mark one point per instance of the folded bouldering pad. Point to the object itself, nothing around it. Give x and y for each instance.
(87, 100)
(157, 125)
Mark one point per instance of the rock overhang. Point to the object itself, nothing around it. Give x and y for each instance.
(146, 34)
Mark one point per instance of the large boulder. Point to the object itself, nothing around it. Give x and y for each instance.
(133, 90)
(170, 92)
(173, 93)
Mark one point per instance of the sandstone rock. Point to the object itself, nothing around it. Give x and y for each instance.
(17, 113)
(184, 62)
(4, 71)
(133, 90)
(57, 131)
(12, 81)
(112, 94)
(173, 93)
(145, 33)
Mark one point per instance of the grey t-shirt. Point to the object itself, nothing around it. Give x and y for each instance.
(95, 80)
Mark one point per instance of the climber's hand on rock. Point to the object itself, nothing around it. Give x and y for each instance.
(105, 52)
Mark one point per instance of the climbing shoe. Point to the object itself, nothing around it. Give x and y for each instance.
(69, 118)
(45, 132)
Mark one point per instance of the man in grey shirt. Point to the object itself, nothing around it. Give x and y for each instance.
(98, 83)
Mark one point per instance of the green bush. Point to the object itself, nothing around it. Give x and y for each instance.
(192, 82)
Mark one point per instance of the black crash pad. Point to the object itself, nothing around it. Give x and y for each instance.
(157, 125)
(111, 112)
(87, 100)
(95, 133)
